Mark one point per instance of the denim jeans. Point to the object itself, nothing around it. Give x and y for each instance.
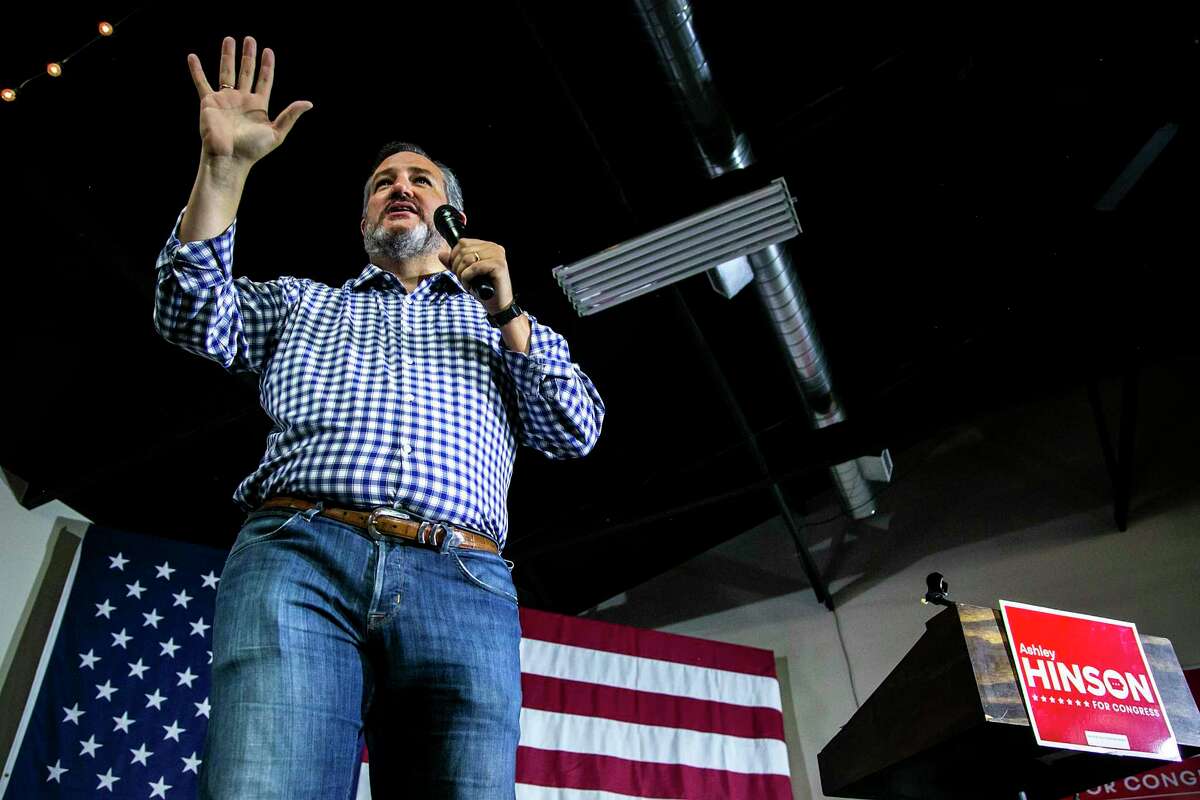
(323, 630)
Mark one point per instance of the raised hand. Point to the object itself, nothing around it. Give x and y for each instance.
(234, 120)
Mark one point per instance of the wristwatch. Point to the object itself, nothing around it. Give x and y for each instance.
(505, 315)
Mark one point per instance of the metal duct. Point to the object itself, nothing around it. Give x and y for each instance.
(720, 148)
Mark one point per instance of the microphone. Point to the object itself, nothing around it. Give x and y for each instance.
(449, 223)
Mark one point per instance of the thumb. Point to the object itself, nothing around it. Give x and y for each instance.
(287, 118)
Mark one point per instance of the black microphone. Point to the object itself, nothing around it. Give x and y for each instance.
(449, 223)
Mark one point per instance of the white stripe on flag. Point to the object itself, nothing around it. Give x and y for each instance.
(549, 730)
(648, 675)
(527, 791)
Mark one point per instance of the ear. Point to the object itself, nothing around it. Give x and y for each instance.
(362, 226)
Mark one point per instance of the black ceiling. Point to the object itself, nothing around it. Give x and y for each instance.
(946, 174)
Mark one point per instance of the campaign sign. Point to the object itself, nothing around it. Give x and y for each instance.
(1086, 683)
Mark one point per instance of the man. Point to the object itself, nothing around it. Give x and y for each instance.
(366, 589)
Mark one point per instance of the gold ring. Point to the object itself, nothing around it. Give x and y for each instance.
(227, 86)
(476, 254)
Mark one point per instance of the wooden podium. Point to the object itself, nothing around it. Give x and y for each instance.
(948, 722)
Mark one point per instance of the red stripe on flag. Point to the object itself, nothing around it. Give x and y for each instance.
(647, 644)
(643, 779)
(649, 708)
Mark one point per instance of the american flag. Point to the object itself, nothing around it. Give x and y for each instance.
(120, 706)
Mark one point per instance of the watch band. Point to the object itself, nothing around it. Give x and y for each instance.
(505, 315)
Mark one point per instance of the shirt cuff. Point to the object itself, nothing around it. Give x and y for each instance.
(538, 373)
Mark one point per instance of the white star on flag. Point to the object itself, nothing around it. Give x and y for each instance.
(173, 730)
(56, 771)
(152, 619)
(90, 746)
(117, 562)
(169, 647)
(135, 589)
(106, 780)
(160, 788)
(186, 677)
(165, 570)
(203, 708)
(89, 659)
(198, 627)
(155, 700)
(138, 669)
(73, 713)
(123, 722)
(106, 690)
(104, 609)
(181, 599)
(120, 639)
(140, 755)
(210, 580)
(191, 764)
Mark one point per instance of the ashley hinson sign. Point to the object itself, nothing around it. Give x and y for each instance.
(1086, 683)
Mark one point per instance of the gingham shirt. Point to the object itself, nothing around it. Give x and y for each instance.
(379, 397)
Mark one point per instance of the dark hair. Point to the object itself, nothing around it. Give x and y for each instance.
(453, 189)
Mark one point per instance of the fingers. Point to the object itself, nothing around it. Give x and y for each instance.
(198, 79)
(287, 118)
(266, 75)
(246, 73)
(225, 75)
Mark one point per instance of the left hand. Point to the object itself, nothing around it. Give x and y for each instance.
(472, 258)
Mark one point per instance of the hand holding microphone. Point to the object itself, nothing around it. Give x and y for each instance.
(449, 223)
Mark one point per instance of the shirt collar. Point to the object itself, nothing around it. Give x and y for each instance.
(445, 281)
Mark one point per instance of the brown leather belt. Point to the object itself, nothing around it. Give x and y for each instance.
(390, 522)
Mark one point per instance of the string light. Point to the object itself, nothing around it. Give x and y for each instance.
(55, 68)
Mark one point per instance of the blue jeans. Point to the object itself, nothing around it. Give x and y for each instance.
(323, 630)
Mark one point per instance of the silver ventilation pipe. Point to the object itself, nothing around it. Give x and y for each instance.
(720, 148)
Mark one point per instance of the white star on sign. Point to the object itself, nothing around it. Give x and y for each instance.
(191, 764)
(152, 619)
(169, 647)
(120, 639)
(155, 700)
(106, 780)
(165, 570)
(123, 722)
(181, 599)
(1087, 704)
(198, 628)
(90, 746)
(186, 677)
(160, 788)
(210, 580)
(73, 713)
(89, 659)
(117, 562)
(137, 669)
(106, 690)
(139, 755)
(173, 730)
(104, 609)
(203, 708)
(135, 589)
(56, 771)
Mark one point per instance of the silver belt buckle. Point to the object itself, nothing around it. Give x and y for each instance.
(384, 511)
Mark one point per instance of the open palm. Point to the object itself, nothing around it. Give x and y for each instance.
(234, 120)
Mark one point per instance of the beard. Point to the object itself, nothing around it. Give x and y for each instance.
(402, 245)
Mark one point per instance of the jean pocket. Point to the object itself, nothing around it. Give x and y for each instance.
(487, 571)
(262, 526)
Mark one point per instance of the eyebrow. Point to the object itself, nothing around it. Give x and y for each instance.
(392, 171)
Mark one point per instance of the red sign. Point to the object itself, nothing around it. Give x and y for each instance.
(1086, 683)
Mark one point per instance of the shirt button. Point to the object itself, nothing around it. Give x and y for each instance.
(406, 359)
(410, 398)
(405, 449)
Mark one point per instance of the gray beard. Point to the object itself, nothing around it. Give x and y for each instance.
(401, 245)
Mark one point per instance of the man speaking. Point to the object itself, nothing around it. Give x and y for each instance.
(366, 590)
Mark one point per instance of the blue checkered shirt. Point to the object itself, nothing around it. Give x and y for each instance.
(379, 397)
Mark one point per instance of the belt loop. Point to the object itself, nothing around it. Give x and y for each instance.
(312, 512)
